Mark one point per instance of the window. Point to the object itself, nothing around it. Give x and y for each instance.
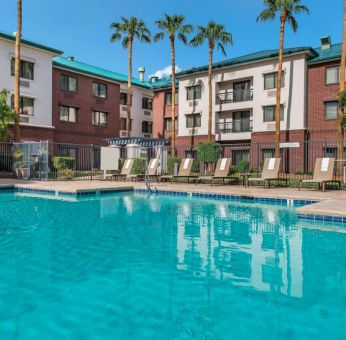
(123, 124)
(269, 113)
(241, 121)
(26, 105)
(331, 110)
(147, 103)
(193, 121)
(123, 98)
(68, 114)
(240, 156)
(68, 83)
(168, 124)
(194, 92)
(270, 80)
(268, 153)
(100, 90)
(99, 118)
(168, 98)
(26, 69)
(332, 152)
(147, 127)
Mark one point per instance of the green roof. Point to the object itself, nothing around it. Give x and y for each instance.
(328, 54)
(11, 37)
(248, 58)
(163, 83)
(91, 70)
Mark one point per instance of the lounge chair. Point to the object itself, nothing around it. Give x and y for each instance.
(221, 172)
(152, 170)
(270, 173)
(323, 174)
(184, 172)
(125, 171)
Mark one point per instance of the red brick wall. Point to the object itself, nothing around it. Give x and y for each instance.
(35, 134)
(83, 132)
(160, 111)
(318, 92)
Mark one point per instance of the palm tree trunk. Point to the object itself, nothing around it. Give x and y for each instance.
(129, 88)
(17, 72)
(341, 132)
(278, 85)
(210, 99)
(173, 93)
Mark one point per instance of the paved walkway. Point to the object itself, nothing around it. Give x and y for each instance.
(330, 202)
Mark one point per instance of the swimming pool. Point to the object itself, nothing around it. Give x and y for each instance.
(129, 265)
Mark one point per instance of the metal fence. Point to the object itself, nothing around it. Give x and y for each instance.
(298, 159)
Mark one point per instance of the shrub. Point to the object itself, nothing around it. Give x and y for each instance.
(62, 163)
(195, 166)
(170, 164)
(208, 152)
(65, 174)
(243, 166)
(138, 167)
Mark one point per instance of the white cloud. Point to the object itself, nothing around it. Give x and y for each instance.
(166, 72)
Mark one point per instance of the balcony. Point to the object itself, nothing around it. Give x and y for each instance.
(244, 125)
(234, 96)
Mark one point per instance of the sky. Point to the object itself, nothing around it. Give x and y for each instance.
(80, 28)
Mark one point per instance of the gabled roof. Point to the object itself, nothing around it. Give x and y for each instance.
(91, 70)
(328, 54)
(29, 43)
(249, 58)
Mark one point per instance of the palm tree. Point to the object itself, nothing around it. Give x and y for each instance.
(128, 30)
(17, 72)
(342, 97)
(287, 10)
(172, 26)
(215, 35)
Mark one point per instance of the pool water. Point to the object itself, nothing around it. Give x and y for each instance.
(132, 266)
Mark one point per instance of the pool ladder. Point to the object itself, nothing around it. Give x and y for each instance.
(147, 179)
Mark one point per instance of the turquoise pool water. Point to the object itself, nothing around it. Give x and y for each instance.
(131, 266)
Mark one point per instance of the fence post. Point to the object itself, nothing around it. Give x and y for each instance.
(91, 161)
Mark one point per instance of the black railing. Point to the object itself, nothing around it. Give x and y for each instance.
(234, 96)
(244, 125)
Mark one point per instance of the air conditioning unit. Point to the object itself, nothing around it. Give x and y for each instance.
(271, 93)
(193, 103)
(193, 131)
(123, 133)
(271, 126)
(24, 83)
(148, 113)
(124, 108)
(147, 135)
(24, 119)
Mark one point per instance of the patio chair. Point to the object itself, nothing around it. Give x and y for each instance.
(184, 172)
(221, 172)
(270, 173)
(152, 171)
(323, 174)
(125, 171)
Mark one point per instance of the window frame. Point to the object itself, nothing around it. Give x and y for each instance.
(194, 87)
(125, 119)
(326, 74)
(98, 112)
(68, 116)
(68, 89)
(21, 68)
(148, 124)
(282, 113)
(194, 116)
(147, 103)
(325, 103)
(21, 105)
(275, 80)
(96, 90)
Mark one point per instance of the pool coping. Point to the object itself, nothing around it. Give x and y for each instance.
(304, 206)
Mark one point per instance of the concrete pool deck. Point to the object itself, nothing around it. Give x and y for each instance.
(330, 202)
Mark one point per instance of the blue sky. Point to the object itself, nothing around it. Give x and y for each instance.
(81, 28)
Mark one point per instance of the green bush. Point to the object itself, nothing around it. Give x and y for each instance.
(65, 174)
(170, 164)
(208, 152)
(242, 166)
(62, 163)
(138, 167)
(195, 166)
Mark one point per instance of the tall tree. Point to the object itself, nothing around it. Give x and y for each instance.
(287, 10)
(127, 30)
(172, 26)
(6, 116)
(215, 35)
(342, 97)
(17, 72)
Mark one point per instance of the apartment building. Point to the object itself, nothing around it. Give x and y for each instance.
(35, 85)
(244, 97)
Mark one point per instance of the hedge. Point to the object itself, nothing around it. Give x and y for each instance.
(208, 152)
(61, 163)
(170, 164)
(138, 167)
